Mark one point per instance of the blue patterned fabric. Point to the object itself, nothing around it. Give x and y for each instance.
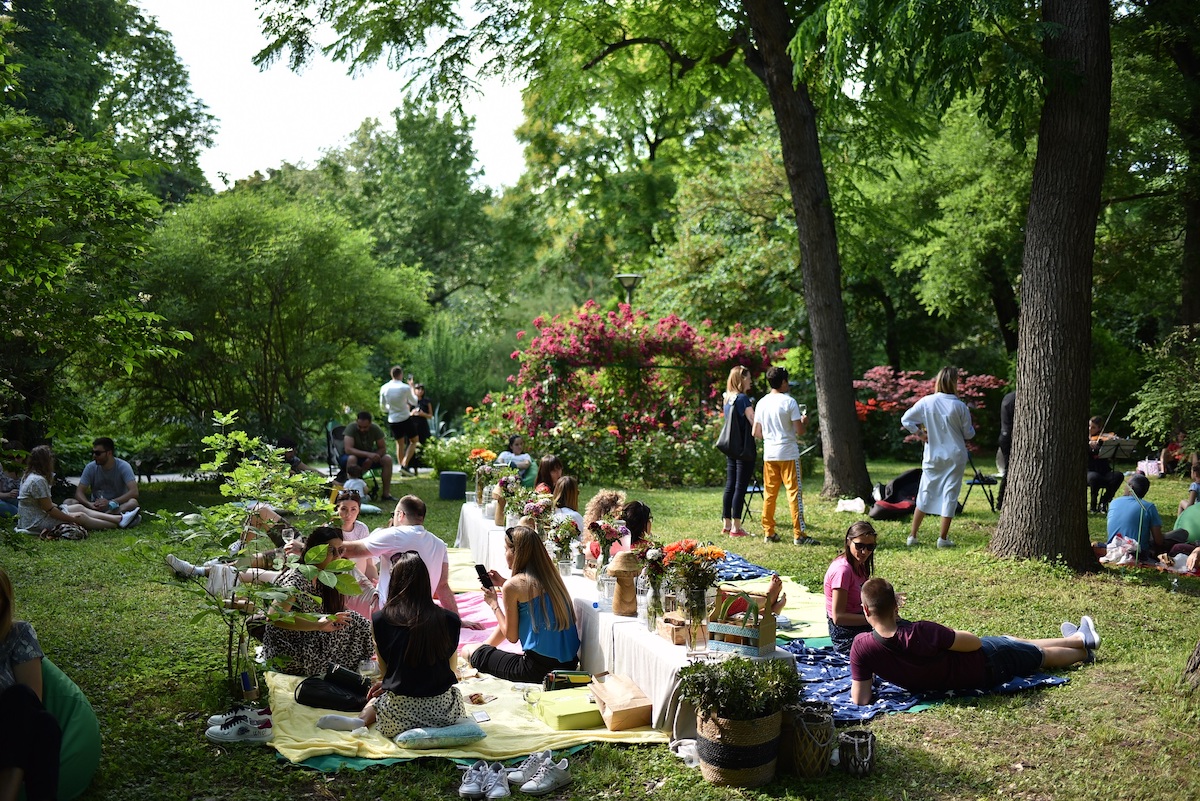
(735, 568)
(826, 676)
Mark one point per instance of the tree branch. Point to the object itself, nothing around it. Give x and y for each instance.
(1112, 201)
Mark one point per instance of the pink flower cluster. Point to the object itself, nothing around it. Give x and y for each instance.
(622, 372)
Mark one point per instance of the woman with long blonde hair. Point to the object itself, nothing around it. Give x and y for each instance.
(533, 608)
(738, 471)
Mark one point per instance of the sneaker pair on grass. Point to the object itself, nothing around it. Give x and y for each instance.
(539, 774)
(942, 542)
(241, 726)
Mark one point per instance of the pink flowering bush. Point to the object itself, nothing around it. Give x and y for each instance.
(886, 394)
(618, 396)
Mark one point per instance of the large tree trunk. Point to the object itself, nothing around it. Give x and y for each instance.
(1185, 52)
(821, 271)
(1044, 512)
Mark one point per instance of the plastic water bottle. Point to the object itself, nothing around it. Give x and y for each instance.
(1174, 585)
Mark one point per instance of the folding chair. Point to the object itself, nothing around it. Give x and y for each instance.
(984, 482)
(335, 453)
(752, 489)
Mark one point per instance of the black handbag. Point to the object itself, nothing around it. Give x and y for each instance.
(341, 689)
(734, 440)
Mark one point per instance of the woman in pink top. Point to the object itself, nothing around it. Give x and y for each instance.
(843, 586)
(349, 504)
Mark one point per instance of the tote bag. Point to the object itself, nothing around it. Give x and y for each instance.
(735, 441)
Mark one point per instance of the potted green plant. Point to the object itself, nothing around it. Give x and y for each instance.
(739, 704)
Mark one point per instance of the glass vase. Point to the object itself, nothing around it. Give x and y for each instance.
(601, 569)
(654, 605)
(694, 603)
(564, 568)
(479, 487)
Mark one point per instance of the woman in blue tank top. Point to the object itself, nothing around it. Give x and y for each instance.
(533, 608)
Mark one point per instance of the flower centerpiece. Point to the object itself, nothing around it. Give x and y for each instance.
(651, 554)
(601, 536)
(508, 487)
(562, 535)
(692, 568)
(480, 461)
(540, 507)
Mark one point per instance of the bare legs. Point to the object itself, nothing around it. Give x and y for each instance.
(919, 516)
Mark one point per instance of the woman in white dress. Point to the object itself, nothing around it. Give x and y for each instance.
(943, 422)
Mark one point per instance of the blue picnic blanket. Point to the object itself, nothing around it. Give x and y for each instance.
(735, 568)
(826, 676)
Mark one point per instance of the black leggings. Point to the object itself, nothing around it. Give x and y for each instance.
(30, 740)
(737, 478)
(1110, 482)
(529, 667)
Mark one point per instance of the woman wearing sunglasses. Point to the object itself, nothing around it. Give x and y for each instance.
(843, 586)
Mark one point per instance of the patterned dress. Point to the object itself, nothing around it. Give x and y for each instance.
(309, 653)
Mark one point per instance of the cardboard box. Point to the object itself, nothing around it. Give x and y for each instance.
(671, 628)
(569, 709)
(622, 703)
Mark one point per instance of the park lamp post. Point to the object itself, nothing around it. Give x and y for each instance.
(630, 282)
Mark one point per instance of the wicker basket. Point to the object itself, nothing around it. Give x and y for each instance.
(856, 750)
(806, 741)
(738, 753)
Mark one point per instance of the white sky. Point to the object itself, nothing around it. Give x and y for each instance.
(267, 118)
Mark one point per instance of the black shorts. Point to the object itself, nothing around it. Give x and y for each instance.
(403, 430)
(528, 667)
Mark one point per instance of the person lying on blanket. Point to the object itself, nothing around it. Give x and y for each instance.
(415, 639)
(924, 656)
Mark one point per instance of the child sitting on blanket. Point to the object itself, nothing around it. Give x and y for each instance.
(414, 639)
(928, 657)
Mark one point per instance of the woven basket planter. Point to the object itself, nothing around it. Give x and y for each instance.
(738, 753)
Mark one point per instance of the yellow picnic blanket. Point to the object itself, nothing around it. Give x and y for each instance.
(463, 577)
(513, 731)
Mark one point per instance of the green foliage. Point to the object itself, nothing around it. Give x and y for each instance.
(457, 361)
(1170, 397)
(284, 301)
(71, 229)
(740, 688)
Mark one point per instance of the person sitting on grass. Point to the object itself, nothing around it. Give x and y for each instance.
(1135, 518)
(843, 586)
(30, 737)
(307, 647)
(415, 640)
(1193, 488)
(924, 656)
(108, 483)
(534, 609)
(36, 511)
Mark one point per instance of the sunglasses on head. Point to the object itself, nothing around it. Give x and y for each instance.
(863, 546)
(349, 495)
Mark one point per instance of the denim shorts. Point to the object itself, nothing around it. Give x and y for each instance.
(1008, 658)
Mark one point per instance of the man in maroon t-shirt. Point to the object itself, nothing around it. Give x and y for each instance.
(928, 657)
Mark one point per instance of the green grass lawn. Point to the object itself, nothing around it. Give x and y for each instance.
(1122, 728)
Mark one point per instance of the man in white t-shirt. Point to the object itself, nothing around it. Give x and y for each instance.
(779, 424)
(397, 399)
(408, 533)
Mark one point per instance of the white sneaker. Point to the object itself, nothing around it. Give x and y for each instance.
(496, 784)
(127, 517)
(254, 715)
(1087, 628)
(240, 729)
(473, 780)
(549, 777)
(912, 541)
(524, 772)
(1068, 628)
(179, 566)
(945, 542)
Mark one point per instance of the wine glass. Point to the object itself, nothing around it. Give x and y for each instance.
(532, 695)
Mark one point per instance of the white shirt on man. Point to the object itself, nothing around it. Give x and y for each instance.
(775, 414)
(397, 399)
(383, 542)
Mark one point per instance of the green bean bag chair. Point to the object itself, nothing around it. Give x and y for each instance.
(80, 753)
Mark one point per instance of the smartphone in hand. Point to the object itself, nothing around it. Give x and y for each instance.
(484, 578)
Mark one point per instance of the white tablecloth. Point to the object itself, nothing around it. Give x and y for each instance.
(483, 537)
(624, 646)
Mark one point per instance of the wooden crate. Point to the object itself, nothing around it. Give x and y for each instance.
(733, 634)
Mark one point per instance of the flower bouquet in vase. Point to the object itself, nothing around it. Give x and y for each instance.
(600, 537)
(692, 568)
(508, 486)
(563, 536)
(540, 507)
(480, 462)
(651, 555)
